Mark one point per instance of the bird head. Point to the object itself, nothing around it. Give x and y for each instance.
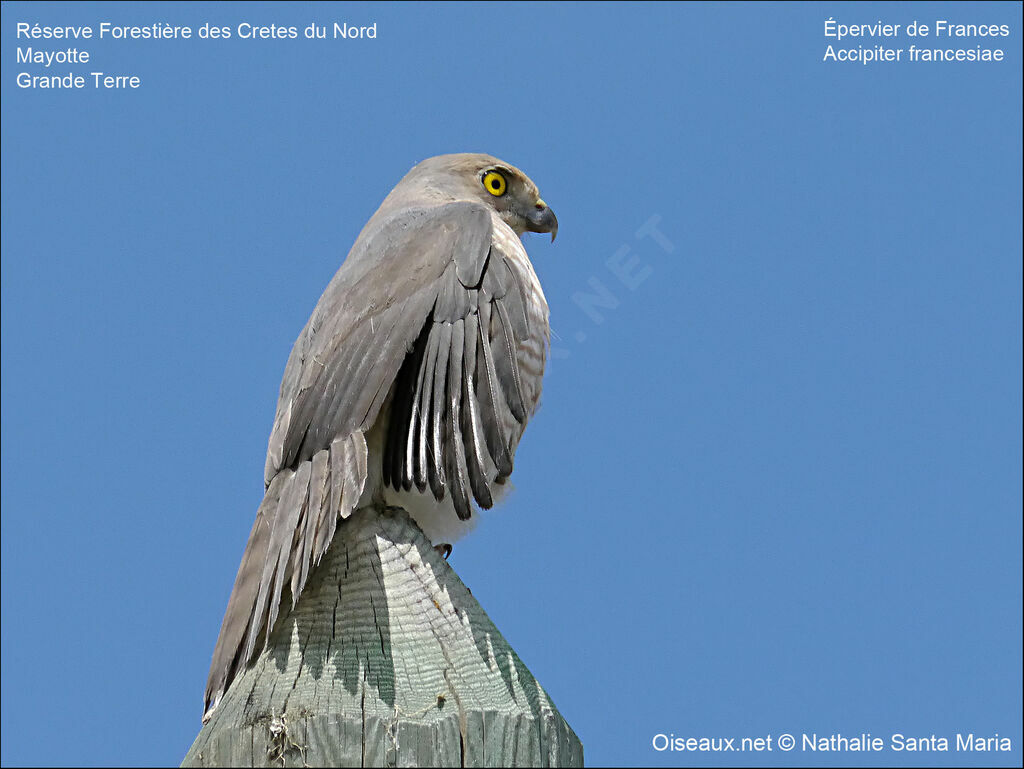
(486, 179)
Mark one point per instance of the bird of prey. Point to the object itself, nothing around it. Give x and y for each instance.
(410, 385)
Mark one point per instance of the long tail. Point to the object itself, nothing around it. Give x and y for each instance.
(294, 526)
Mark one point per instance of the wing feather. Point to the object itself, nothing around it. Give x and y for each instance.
(454, 448)
(444, 342)
(425, 401)
(470, 393)
(408, 446)
(476, 451)
(487, 383)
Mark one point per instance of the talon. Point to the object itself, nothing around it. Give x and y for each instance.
(443, 550)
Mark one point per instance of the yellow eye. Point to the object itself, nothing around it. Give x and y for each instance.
(495, 183)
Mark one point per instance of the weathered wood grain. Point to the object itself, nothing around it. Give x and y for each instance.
(387, 660)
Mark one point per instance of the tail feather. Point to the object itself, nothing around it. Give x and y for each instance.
(289, 512)
(294, 527)
(317, 506)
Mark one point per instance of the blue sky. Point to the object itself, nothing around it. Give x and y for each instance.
(775, 482)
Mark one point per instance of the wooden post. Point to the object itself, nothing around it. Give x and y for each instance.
(387, 660)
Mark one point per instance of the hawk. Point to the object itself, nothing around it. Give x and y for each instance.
(410, 385)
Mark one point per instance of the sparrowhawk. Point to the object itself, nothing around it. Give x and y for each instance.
(410, 385)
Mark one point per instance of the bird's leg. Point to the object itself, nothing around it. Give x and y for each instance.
(444, 550)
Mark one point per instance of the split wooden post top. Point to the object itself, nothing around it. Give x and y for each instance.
(386, 660)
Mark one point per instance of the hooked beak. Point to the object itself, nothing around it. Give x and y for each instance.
(542, 219)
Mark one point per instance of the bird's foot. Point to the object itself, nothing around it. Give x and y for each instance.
(444, 550)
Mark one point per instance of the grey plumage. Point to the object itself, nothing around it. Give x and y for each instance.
(432, 333)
